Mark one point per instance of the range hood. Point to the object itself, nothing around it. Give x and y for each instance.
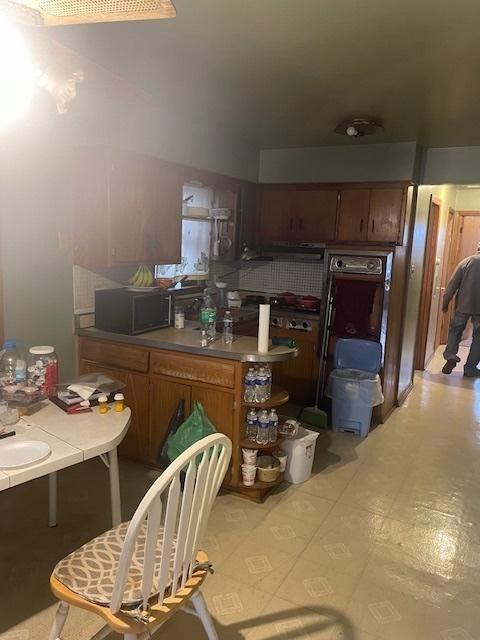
(294, 250)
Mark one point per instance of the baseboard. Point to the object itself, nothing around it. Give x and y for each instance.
(403, 396)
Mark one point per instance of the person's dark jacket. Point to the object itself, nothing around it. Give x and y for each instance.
(465, 282)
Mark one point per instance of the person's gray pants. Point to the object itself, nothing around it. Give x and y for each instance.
(455, 332)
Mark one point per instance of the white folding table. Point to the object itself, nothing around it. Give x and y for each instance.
(72, 439)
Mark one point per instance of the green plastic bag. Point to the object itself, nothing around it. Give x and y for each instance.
(195, 427)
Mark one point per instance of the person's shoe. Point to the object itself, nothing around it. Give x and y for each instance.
(449, 366)
(471, 374)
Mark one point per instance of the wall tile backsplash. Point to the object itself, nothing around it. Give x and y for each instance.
(299, 277)
(84, 284)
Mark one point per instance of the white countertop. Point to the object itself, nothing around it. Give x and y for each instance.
(72, 439)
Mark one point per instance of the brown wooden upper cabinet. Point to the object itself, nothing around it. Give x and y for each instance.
(297, 215)
(370, 215)
(127, 208)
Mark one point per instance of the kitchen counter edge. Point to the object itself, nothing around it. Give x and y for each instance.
(183, 340)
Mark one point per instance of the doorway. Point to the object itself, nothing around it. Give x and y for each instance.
(464, 243)
(429, 267)
(449, 263)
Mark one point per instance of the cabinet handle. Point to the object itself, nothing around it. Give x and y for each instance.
(373, 225)
(361, 225)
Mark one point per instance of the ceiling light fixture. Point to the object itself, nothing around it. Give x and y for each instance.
(17, 73)
(357, 127)
(61, 12)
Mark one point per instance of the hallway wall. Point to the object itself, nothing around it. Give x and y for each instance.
(447, 195)
(468, 200)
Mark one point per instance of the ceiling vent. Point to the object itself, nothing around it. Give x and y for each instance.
(357, 127)
(64, 12)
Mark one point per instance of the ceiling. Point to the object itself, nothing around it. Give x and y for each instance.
(284, 72)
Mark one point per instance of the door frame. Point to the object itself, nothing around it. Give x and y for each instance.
(443, 319)
(428, 276)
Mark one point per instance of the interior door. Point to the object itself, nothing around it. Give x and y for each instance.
(274, 220)
(467, 243)
(385, 216)
(429, 266)
(314, 213)
(353, 215)
(443, 319)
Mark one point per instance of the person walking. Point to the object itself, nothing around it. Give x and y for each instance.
(465, 284)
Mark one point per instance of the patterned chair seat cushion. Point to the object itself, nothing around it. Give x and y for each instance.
(90, 571)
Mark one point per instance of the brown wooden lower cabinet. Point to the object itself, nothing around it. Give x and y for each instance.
(136, 444)
(218, 406)
(164, 399)
(153, 398)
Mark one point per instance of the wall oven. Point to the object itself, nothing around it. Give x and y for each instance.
(355, 302)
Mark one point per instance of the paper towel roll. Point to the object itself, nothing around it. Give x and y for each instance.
(263, 327)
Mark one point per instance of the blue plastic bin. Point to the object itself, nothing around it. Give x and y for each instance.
(354, 385)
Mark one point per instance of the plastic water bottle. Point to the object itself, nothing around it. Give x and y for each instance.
(208, 316)
(8, 362)
(250, 379)
(252, 425)
(261, 386)
(273, 426)
(263, 428)
(268, 373)
(20, 371)
(228, 328)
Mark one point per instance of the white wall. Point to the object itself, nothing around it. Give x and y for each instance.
(346, 163)
(468, 200)
(455, 165)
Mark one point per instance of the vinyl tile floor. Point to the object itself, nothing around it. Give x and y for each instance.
(382, 543)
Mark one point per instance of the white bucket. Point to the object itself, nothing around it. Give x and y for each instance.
(300, 451)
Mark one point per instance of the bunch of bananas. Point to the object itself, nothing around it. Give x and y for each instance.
(142, 277)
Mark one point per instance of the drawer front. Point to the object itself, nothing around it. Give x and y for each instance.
(199, 369)
(114, 354)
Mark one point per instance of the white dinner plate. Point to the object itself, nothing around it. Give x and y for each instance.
(21, 453)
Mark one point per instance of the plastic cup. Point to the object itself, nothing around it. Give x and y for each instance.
(250, 457)
(248, 474)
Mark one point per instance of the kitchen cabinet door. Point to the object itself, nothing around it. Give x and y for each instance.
(162, 241)
(218, 406)
(130, 204)
(353, 214)
(164, 399)
(127, 208)
(314, 213)
(386, 215)
(275, 221)
(135, 445)
(145, 210)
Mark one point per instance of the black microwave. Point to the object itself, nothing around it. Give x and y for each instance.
(124, 310)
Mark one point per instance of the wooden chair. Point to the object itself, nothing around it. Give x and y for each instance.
(140, 573)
